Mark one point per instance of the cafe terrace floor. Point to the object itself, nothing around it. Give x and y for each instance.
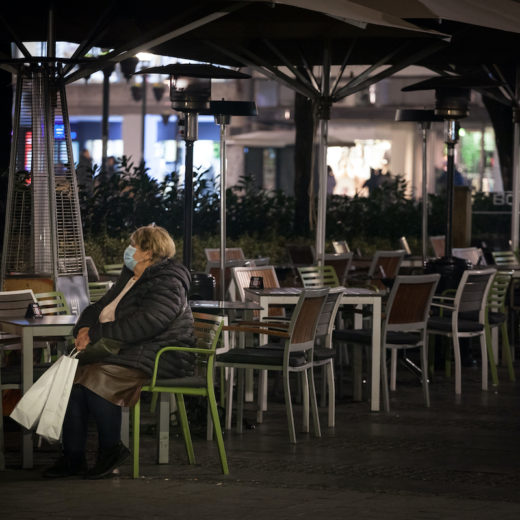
(456, 460)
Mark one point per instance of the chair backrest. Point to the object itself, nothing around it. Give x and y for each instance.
(97, 290)
(328, 316)
(232, 253)
(473, 254)
(496, 301)
(13, 304)
(300, 255)
(206, 329)
(438, 243)
(472, 292)
(92, 272)
(242, 278)
(340, 246)
(318, 276)
(304, 320)
(505, 258)
(409, 302)
(341, 264)
(403, 243)
(113, 269)
(385, 264)
(53, 303)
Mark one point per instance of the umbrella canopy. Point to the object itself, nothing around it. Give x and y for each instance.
(292, 34)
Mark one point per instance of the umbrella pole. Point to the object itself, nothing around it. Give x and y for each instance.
(322, 193)
(516, 169)
(516, 184)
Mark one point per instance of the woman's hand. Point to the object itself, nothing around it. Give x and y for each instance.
(82, 339)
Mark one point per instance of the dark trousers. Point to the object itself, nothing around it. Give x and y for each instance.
(83, 403)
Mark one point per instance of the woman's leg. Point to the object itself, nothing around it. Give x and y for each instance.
(108, 419)
(75, 426)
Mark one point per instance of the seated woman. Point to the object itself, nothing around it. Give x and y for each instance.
(146, 309)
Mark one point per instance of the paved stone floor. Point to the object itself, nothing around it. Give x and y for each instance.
(460, 459)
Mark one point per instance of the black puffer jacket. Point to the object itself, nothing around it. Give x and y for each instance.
(154, 313)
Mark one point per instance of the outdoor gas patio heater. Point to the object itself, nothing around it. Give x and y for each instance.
(425, 118)
(190, 92)
(223, 110)
(452, 97)
(43, 241)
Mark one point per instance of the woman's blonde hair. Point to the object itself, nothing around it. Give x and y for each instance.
(156, 240)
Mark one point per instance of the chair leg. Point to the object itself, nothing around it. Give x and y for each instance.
(185, 428)
(304, 392)
(393, 369)
(229, 396)
(491, 356)
(456, 355)
(384, 381)
(240, 398)
(506, 352)
(424, 368)
(314, 404)
(324, 383)
(288, 407)
(483, 350)
(212, 404)
(2, 442)
(136, 433)
(332, 393)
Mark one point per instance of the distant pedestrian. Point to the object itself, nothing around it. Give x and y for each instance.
(85, 172)
(331, 181)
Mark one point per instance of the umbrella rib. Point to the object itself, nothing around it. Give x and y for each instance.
(365, 81)
(264, 68)
(139, 45)
(309, 72)
(366, 73)
(506, 86)
(343, 66)
(287, 63)
(86, 44)
(18, 42)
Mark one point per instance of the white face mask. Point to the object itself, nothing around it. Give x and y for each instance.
(128, 257)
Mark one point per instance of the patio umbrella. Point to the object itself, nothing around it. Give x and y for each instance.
(286, 44)
(252, 33)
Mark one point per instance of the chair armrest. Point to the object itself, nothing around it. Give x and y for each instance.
(443, 298)
(258, 329)
(204, 351)
(442, 306)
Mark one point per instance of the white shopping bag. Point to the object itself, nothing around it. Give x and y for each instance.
(30, 407)
(51, 419)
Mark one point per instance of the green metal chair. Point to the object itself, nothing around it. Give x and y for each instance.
(112, 269)
(52, 302)
(97, 290)
(496, 317)
(314, 276)
(207, 329)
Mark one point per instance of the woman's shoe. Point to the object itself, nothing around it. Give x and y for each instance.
(63, 468)
(108, 461)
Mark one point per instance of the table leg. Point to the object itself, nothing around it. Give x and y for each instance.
(376, 356)
(357, 362)
(163, 429)
(27, 381)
